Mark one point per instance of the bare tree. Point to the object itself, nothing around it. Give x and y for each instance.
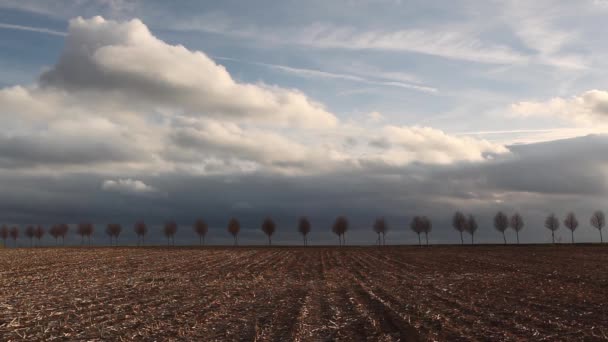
(4, 233)
(54, 232)
(85, 229)
(109, 232)
(234, 227)
(63, 229)
(416, 227)
(141, 230)
(113, 230)
(200, 227)
(381, 227)
(598, 220)
(339, 228)
(39, 233)
(304, 229)
(471, 227)
(501, 223)
(29, 233)
(459, 223)
(571, 223)
(169, 230)
(427, 226)
(517, 223)
(14, 233)
(59, 230)
(269, 227)
(552, 223)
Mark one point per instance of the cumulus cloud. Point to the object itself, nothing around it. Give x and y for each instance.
(404, 144)
(128, 186)
(121, 101)
(590, 107)
(124, 59)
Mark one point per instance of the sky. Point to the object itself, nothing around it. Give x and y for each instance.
(115, 111)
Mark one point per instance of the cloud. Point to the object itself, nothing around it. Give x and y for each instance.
(311, 73)
(32, 29)
(119, 101)
(125, 61)
(405, 144)
(588, 108)
(127, 186)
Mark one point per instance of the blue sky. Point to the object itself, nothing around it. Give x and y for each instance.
(299, 91)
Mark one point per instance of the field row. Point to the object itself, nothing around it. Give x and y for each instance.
(305, 294)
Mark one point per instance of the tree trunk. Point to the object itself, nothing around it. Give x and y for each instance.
(517, 233)
(601, 238)
(461, 239)
(269, 241)
(553, 236)
(419, 242)
(472, 239)
(504, 238)
(572, 231)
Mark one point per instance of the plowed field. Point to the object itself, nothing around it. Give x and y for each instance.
(305, 294)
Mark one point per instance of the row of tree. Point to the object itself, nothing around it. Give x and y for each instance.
(419, 225)
(502, 222)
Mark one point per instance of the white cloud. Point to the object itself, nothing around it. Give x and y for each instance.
(397, 80)
(31, 29)
(588, 108)
(403, 145)
(124, 60)
(127, 186)
(121, 102)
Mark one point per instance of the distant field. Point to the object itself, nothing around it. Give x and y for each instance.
(306, 294)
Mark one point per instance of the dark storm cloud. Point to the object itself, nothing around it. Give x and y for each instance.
(23, 151)
(535, 180)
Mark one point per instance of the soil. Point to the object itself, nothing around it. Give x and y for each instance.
(448, 293)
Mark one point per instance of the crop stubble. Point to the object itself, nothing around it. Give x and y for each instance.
(305, 294)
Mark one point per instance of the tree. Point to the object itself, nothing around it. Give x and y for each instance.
(14, 233)
(571, 223)
(416, 226)
(200, 227)
(517, 223)
(501, 223)
(381, 227)
(63, 231)
(304, 229)
(59, 230)
(39, 233)
(598, 220)
(4, 233)
(552, 223)
(169, 230)
(427, 226)
(471, 227)
(141, 230)
(54, 233)
(234, 227)
(29, 233)
(269, 227)
(339, 228)
(113, 230)
(459, 223)
(85, 229)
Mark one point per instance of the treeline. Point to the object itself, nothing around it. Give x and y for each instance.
(464, 224)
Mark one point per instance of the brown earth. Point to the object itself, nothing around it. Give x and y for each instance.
(305, 294)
